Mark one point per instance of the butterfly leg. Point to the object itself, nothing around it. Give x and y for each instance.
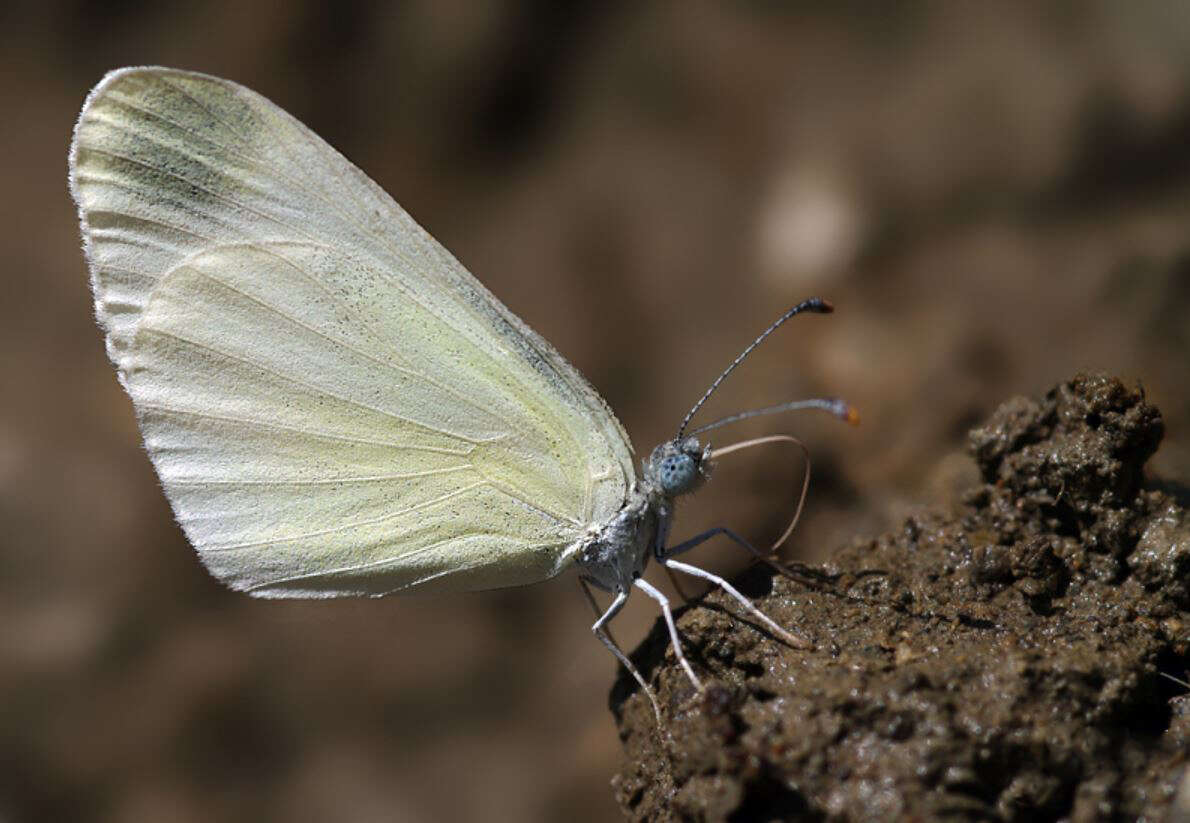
(794, 570)
(665, 558)
(665, 518)
(699, 539)
(600, 630)
(644, 586)
(781, 632)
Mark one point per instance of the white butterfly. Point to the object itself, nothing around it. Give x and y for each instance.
(334, 405)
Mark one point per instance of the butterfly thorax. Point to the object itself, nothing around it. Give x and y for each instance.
(619, 551)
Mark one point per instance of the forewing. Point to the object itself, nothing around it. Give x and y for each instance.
(333, 404)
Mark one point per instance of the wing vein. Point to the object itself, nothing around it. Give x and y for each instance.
(315, 433)
(517, 496)
(279, 145)
(266, 169)
(115, 233)
(346, 526)
(232, 203)
(313, 390)
(318, 481)
(358, 567)
(341, 343)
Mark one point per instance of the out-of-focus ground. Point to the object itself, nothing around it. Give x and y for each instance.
(994, 196)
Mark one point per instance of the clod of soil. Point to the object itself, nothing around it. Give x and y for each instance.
(1021, 658)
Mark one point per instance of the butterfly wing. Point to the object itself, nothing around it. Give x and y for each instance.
(334, 405)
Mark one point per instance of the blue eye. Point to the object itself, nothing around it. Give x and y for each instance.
(677, 473)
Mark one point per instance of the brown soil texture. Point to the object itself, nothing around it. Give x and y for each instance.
(1014, 658)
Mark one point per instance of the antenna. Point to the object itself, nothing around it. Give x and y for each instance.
(814, 304)
(836, 406)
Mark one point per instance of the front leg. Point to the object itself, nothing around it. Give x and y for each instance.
(666, 558)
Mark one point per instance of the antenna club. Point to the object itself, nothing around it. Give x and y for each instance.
(818, 305)
(843, 410)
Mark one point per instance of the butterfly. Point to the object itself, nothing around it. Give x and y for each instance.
(333, 404)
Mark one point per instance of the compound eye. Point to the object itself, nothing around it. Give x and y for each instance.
(677, 473)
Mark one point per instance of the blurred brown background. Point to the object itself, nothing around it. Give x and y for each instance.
(994, 195)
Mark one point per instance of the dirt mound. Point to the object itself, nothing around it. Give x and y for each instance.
(1017, 658)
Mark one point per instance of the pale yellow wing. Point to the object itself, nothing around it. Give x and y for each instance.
(333, 404)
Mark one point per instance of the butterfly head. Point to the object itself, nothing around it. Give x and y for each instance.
(678, 466)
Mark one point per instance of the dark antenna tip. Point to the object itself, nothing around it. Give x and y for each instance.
(818, 305)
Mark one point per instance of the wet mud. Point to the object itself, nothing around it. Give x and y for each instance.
(1019, 655)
